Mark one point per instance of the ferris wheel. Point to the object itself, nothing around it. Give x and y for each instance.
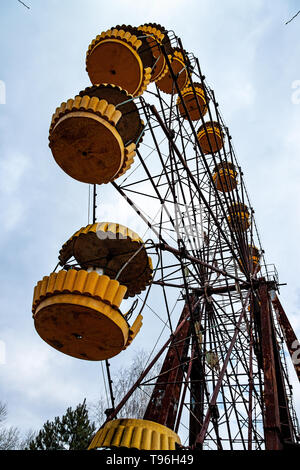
(150, 125)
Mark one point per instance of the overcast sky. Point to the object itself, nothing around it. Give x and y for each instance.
(251, 60)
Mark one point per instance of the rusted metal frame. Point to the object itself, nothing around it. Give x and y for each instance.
(170, 276)
(229, 189)
(230, 319)
(242, 239)
(201, 435)
(174, 163)
(287, 428)
(162, 407)
(242, 234)
(286, 431)
(232, 153)
(240, 418)
(218, 249)
(256, 342)
(194, 132)
(157, 147)
(239, 338)
(149, 367)
(191, 447)
(161, 101)
(227, 284)
(221, 253)
(223, 125)
(199, 390)
(220, 290)
(177, 170)
(170, 369)
(110, 382)
(194, 333)
(203, 156)
(159, 197)
(272, 425)
(180, 408)
(248, 254)
(197, 396)
(235, 375)
(143, 194)
(180, 365)
(165, 246)
(131, 203)
(167, 306)
(244, 360)
(175, 271)
(154, 111)
(204, 393)
(251, 388)
(171, 186)
(200, 171)
(209, 235)
(164, 293)
(196, 422)
(189, 185)
(170, 109)
(202, 253)
(289, 393)
(193, 249)
(212, 341)
(128, 185)
(288, 332)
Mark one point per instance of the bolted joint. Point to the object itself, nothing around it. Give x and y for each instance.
(109, 411)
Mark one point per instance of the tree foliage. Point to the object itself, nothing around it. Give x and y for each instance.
(73, 431)
(123, 379)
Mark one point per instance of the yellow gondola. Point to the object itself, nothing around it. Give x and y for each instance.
(239, 217)
(225, 176)
(196, 105)
(166, 82)
(85, 142)
(210, 137)
(156, 36)
(138, 434)
(77, 313)
(77, 310)
(115, 249)
(115, 57)
(253, 258)
(130, 126)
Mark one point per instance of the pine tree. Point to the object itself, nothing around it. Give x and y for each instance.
(73, 431)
